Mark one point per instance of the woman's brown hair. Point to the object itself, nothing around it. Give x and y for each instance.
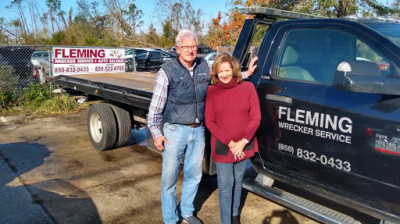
(220, 59)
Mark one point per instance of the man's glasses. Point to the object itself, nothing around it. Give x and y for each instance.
(186, 48)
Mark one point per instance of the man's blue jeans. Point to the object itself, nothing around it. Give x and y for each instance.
(186, 140)
(230, 180)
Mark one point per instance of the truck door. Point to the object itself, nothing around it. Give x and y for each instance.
(317, 133)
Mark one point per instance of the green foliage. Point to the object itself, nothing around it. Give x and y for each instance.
(8, 79)
(5, 99)
(35, 95)
(58, 38)
(8, 82)
(37, 99)
(169, 34)
(259, 34)
(152, 36)
(61, 103)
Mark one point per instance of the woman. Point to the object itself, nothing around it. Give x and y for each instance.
(232, 115)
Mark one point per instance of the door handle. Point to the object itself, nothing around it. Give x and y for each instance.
(283, 99)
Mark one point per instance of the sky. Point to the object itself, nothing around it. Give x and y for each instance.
(210, 9)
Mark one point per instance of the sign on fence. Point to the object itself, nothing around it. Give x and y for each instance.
(69, 61)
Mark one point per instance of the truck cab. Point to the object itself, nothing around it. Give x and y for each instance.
(329, 93)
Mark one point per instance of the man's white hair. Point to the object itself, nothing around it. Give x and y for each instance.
(185, 34)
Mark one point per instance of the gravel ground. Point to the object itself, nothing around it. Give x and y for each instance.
(52, 157)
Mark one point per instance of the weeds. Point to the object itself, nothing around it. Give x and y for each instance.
(61, 103)
(37, 99)
(35, 95)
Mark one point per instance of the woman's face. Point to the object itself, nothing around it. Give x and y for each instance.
(225, 73)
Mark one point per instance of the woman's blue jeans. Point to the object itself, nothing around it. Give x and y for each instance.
(230, 180)
(186, 140)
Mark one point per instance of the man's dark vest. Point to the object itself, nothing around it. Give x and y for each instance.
(186, 95)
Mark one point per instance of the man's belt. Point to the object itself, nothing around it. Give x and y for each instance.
(195, 125)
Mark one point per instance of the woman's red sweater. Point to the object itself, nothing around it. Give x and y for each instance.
(232, 113)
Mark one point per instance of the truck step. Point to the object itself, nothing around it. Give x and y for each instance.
(299, 204)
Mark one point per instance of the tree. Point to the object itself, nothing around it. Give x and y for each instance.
(18, 29)
(4, 33)
(169, 34)
(122, 23)
(134, 17)
(152, 37)
(55, 8)
(224, 30)
(181, 15)
(22, 21)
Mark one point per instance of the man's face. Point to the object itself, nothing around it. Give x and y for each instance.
(188, 49)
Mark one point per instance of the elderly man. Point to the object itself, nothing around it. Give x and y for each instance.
(178, 101)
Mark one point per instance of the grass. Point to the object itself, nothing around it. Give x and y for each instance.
(37, 100)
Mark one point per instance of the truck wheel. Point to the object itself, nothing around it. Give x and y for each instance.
(102, 126)
(124, 125)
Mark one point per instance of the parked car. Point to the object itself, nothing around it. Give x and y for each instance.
(130, 54)
(171, 50)
(151, 60)
(39, 55)
(41, 61)
(203, 50)
(210, 57)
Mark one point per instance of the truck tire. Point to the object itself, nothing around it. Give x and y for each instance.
(124, 125)
(102, 126)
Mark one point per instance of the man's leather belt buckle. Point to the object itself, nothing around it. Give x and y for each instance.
(194, 125)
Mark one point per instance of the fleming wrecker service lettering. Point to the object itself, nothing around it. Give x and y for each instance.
(79, 53)
(318, 124)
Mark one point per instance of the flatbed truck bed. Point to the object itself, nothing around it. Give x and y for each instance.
(134, 80)
(130, 88)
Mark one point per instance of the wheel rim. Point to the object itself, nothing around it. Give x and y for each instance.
(96, 127)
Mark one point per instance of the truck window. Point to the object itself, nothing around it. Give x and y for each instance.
(313, 54)
(260, 31)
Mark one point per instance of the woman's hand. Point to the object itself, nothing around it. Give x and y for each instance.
(252, 66)
(237, 148)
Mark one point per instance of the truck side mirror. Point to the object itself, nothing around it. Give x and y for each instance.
(364, 77)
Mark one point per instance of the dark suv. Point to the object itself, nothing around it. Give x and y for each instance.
(151, 60)
(130, 54)
(203, 50)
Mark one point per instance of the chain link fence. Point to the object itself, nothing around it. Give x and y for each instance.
(22, 65)
(18, 68)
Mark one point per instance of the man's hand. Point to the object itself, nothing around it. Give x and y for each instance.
(252, 66)
(159, 143)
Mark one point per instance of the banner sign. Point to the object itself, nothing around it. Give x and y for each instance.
(70, 61)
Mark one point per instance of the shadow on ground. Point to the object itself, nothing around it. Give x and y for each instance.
(59, 200)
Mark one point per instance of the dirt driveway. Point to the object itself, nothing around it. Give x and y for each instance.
(74, 183)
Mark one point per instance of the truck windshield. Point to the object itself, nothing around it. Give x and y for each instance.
(389, 30)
